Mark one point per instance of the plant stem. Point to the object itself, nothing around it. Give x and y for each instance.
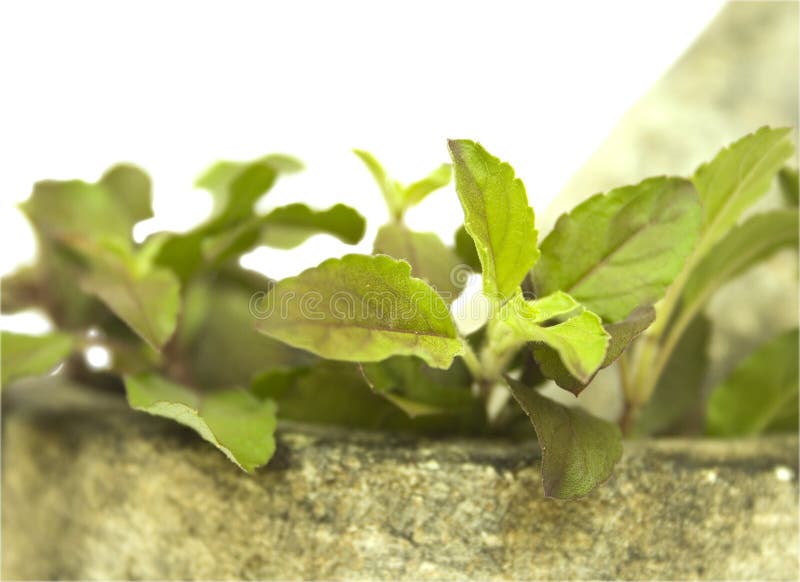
(624, 376)
(652, 356)
(471, 361)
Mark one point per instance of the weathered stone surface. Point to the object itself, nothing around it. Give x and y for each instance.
(94, 491)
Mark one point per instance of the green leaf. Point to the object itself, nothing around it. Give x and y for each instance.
(391, 189)
(144, 296)
(30, 355)
(220, 343)
(623, 249)
(621, 335)
(790, 185)
(362, 308)
(430, 259)
(680, 385)
(329, 393)
(760, 392)
(624, 332)
(275, 383)
(182, 253)
(418, 389)
(219, 176)
(336, 393)
(233, 420)
(289, 226)
(465, 247)
(249, 185)
(496, 216)
(737, 177)
(400, 198)
(745, 245)
(579, 451)
(416, 192)
(75, 211)
(131, 188)
(580, 341)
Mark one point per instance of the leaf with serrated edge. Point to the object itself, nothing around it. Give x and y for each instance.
(496, 216)
(32, 355)
(737, 177)
(580, 341)
(760, 391)
(621, 335)
(430, 259)
(233, 420)
(623, 249)
(579, 451)
(361, 309)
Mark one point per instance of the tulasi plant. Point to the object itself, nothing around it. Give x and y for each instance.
(391, 340)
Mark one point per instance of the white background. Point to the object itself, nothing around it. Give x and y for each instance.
(174, 86)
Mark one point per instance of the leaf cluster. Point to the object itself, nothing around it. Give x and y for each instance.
(394, 340)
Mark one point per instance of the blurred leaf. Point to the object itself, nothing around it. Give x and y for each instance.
(131, 188)
(234, 228)
(221, 343)
(78, 211)
(428, 256)
(233, 420)
(620, 250)
(737, 177)
(465, 247)
(790, 185)
(416, 192)
(182, 253)
(145, 297)
(361, 309)
(745, 245)
(418, 389)
(496, 216)
(329, 393)
(249, 185)
(274, 383)
(680, 385)
(32, 355)
(289, 226)
(336, 393)
(579, 451)
(219, 176)
(761, 391)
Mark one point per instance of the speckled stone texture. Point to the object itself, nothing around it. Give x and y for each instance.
(95, 491)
